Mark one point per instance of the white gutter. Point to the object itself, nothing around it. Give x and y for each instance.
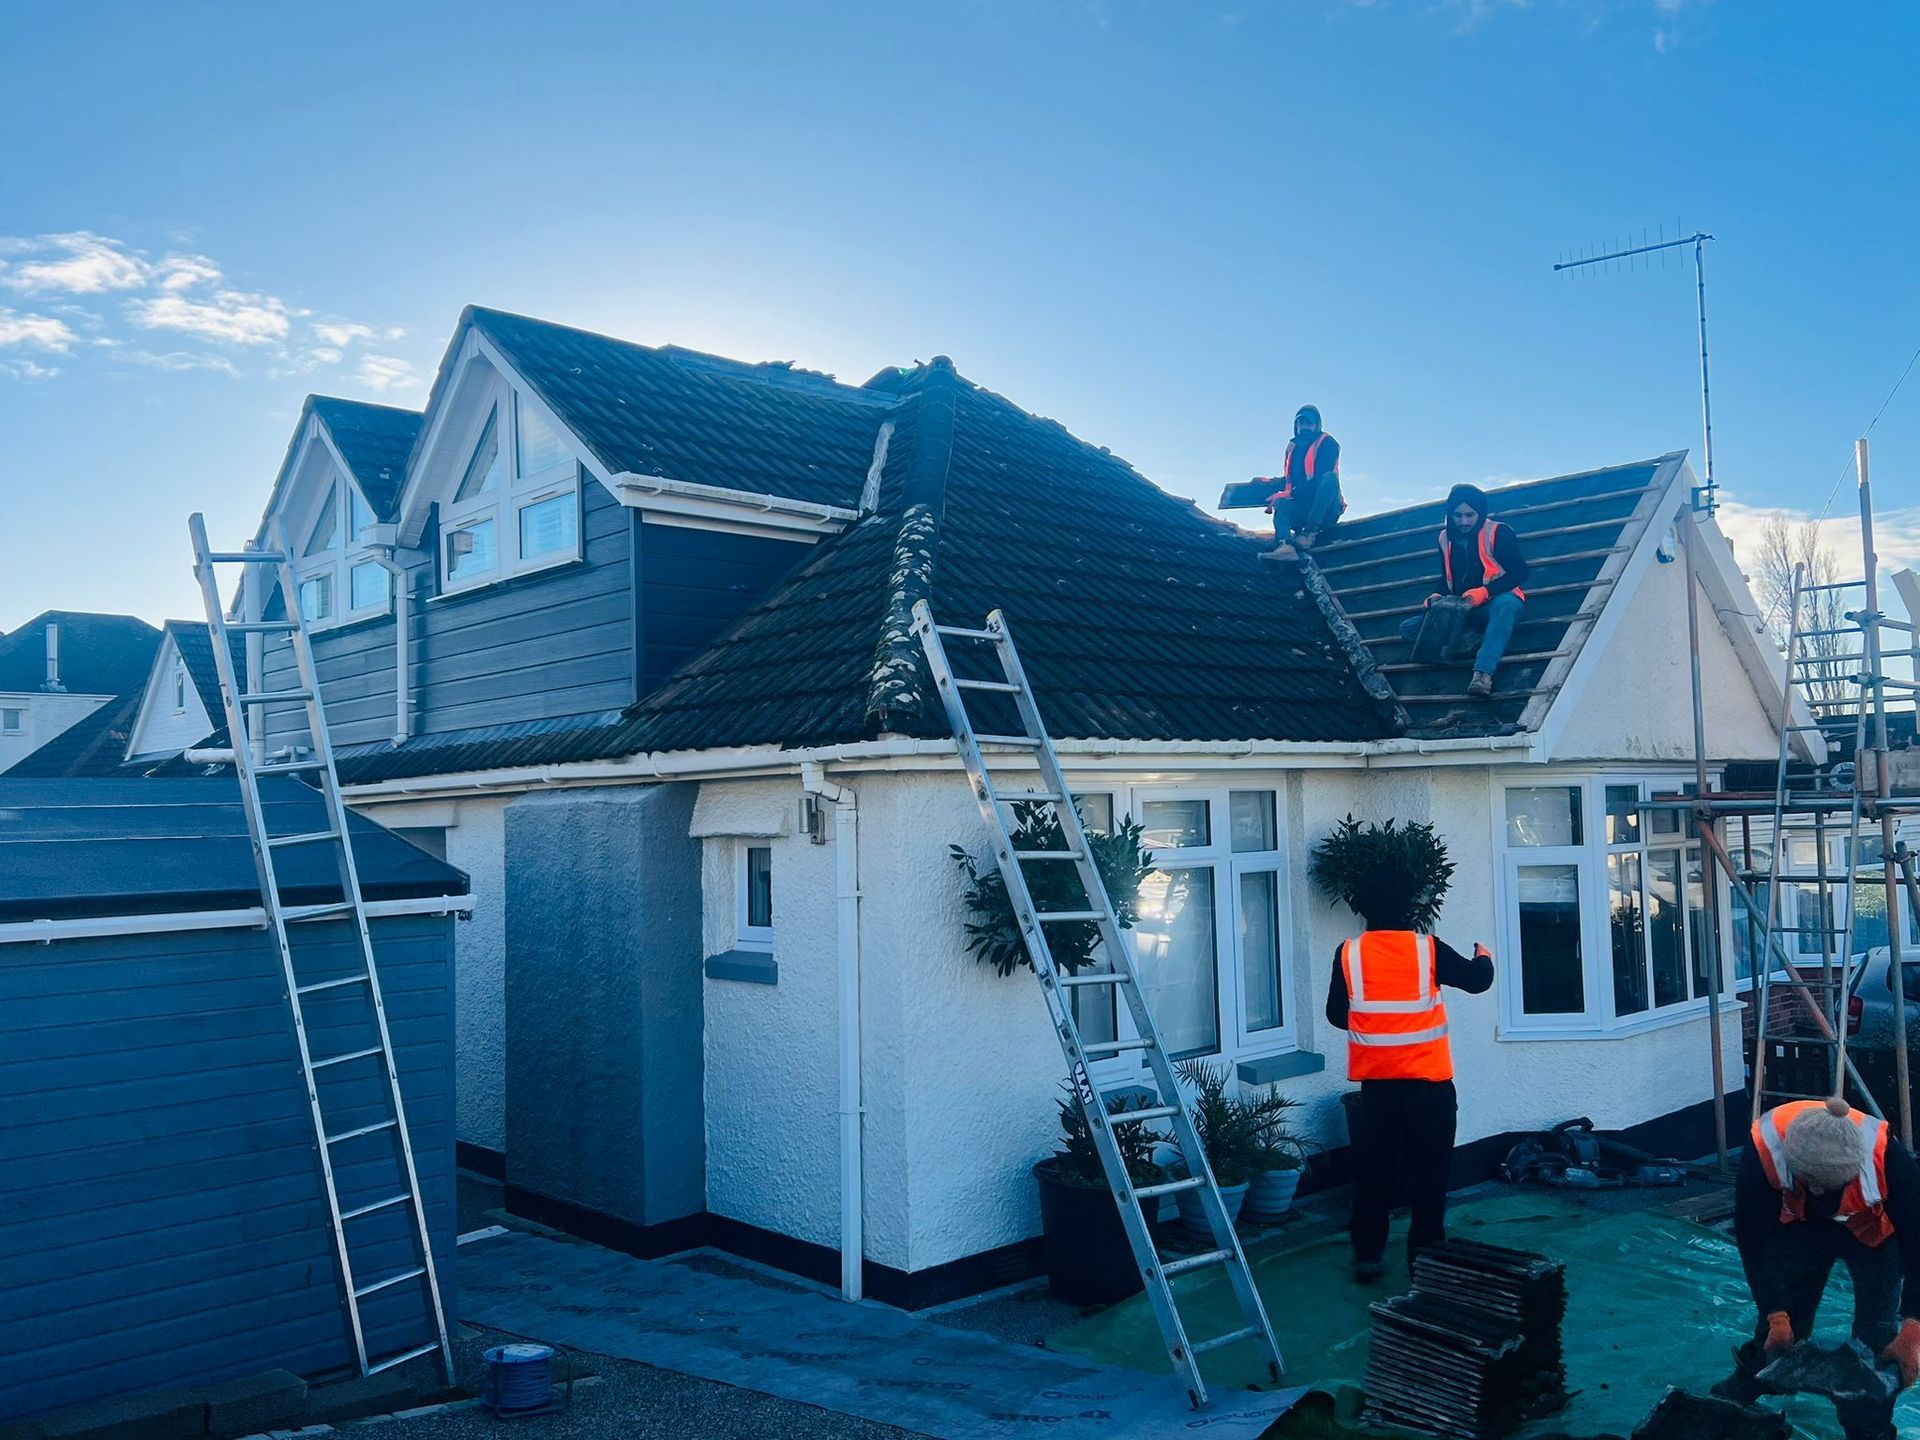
(44, 932)
(626, 480)
(846, 869)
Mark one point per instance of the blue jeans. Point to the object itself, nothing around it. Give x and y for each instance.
(1497, 618)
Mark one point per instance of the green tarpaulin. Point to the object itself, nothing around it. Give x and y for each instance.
(1654, 1301)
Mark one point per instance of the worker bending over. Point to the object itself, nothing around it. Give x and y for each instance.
(1480, 561)
(1821, 1183)
(1308, 500)
(1385, 994)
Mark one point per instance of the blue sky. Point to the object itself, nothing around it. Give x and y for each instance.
(1164, 225)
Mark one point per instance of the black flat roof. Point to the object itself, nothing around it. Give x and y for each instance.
(89, 847)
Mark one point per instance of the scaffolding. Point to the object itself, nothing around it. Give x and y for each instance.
(1830, 830)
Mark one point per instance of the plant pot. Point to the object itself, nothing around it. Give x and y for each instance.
(1270, 1195)
(1089, 1261)
(1193, 1214)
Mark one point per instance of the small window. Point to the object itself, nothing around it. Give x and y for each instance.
(550, 526)
(1543, 815)
(1260, 949)
(1176, 952)
(1252, 814)
(756, 895)
(369, 586)
(1174, 824)
(322, 537)
(12, 722)
(483, 470)
(316, 598)
(539, 446)
(471, 551)
(179, 689)
(1096, 816)
(359, 516)
(1623, 814)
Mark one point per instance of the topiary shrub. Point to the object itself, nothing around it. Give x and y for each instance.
(1343, 863)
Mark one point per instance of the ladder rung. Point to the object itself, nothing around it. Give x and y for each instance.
(999, 687)
(386, 1282)
(298, 913)
(1820, 1040)
(1194, 1262)
(1794, 1095)
(1201, 1347)
(1836, 585)
(1116, 1047)
(1096, 977)
(1014, 797)
(289, 767)
(271, 697)
(330, 984)
(1046, 854)
(343, 1059)
(363, 1130)
(387, 1204)
(246, 557)
(1141, 1117)
(961, 632)
(403, 1357)
(259, 627)
(1018, 742)
(1060, 917)
(1169, 1187)
(312, 837)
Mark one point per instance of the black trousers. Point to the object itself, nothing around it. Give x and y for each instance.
(1402, 1152)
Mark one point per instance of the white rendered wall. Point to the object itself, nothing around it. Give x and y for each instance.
(47, 716)
(1638, 703)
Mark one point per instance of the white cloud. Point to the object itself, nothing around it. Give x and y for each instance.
(177, 361)
(79, 263)
(1665, 40)
(386, 372)
(28, 370)
(238, 317)
(1896, 532)
(341, 333)
(42, 332)
(325, 356)
(183, 272)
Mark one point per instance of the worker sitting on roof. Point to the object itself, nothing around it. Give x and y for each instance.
(1480, 561)
(1822, 1182)
(1307, 499)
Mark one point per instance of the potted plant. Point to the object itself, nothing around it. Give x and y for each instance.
(1225, 1126)
(1279, 1160)
(1089, 1260)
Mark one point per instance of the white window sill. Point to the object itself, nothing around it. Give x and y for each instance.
(1621, 1029)
(466, 587)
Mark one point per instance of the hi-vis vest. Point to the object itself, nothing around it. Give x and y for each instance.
(1396, 1024)
(1307, 472)
(1490, 568)
(1863, 1208)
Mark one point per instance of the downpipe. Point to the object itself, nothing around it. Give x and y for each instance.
(846, 867)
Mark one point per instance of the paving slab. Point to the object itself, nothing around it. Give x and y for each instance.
(254, 1403)
(864, 1360)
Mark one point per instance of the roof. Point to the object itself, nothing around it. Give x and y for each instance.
(1139, 617)
(95, 745)
(680, 415)
(119, 847)
(99, 654)
(375, 441)
(1578, 533)
(194, 640)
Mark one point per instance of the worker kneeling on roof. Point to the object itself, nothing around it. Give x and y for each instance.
(1385, 994)
(1307, 500)
(1480, 561)
(1822, 1183)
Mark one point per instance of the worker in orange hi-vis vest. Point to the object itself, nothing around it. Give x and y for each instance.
(1306, 499)
(1385, 994)
(1822, 1184)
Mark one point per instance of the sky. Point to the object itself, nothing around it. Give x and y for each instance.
(1165, 225)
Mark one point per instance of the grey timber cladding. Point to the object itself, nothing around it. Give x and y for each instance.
(164, 1220)
(693, 583)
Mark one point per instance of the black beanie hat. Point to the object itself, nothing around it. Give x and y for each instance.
(1472, 495)
(1303, 412)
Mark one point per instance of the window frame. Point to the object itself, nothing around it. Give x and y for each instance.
(343, 552)
(500, 403)
(19, 727)
(746, 935)
(1600, 1017)
(1235, 1041)
(179, 687)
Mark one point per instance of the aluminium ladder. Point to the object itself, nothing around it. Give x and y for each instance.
(285, 920)
(1033, 743)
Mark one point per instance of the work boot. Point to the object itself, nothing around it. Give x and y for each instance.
(1481, 686)
(1283, 552)
(1369, 1272)
(1743, 1386)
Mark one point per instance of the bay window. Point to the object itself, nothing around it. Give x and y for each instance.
(517, 505)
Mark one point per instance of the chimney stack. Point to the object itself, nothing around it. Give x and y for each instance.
(53, 658)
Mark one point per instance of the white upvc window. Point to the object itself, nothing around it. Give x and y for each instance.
(1603, 906)
(179, 689)
(753, 919)
(338, 581)
(1209, 942)
(516, 507)
(13, 720)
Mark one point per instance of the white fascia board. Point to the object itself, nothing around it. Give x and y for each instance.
(1674, 479)
(45, 932)
(164, 660)
(659, 495)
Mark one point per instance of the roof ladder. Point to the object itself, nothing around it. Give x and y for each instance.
(359, 990)
(1056, 987)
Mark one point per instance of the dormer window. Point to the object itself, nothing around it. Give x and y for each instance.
(517, 506)
(337, 577)
(179, 689)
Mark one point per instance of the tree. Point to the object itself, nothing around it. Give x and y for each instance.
(1785, 544)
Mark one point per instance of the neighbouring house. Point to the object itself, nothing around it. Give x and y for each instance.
(645, 672)
(165, 1222)
(63, 666)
